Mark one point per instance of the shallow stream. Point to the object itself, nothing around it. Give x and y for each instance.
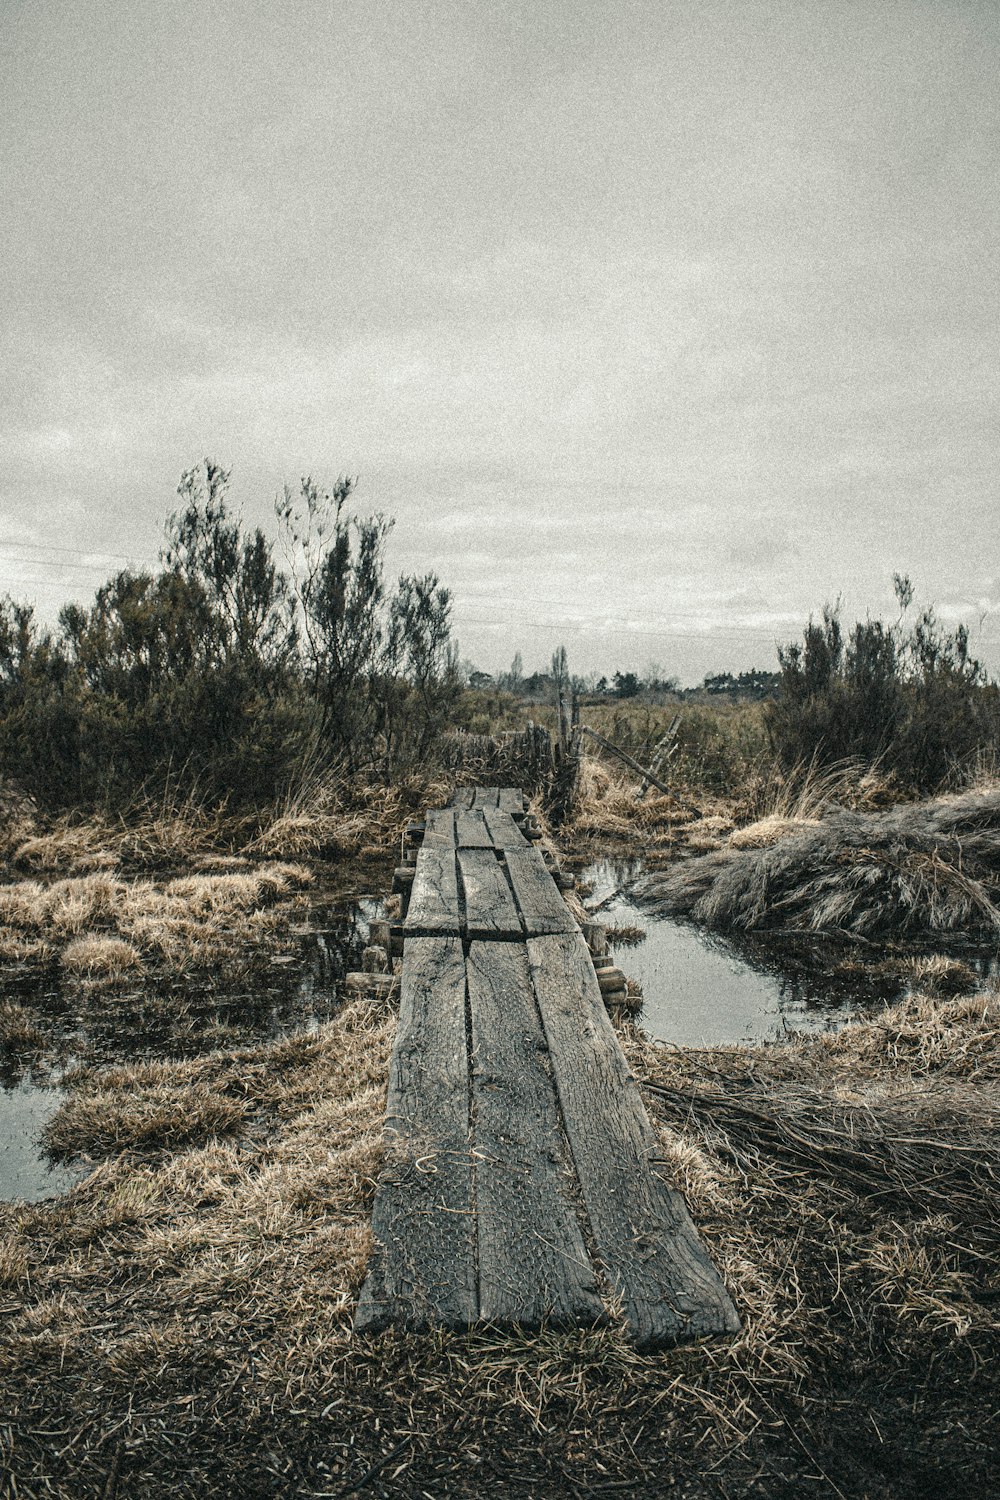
(699, 990)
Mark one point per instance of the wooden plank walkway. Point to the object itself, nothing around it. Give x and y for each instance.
(518, 1187)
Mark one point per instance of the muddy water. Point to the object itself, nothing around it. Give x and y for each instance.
(183, 1019)
(700, 990)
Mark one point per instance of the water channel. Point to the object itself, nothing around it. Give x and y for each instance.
(700, 990)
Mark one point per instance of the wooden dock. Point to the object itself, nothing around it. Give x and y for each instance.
(519, 1184)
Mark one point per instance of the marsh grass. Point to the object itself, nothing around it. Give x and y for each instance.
(103, 927)
(918, 870)
(605, 807)
(19, 1032)
(101, 957)
(180, 1323)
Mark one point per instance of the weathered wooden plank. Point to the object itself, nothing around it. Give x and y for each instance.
(439, 827)
(542, 908)
(533, 1263)
(486, 796)
(423, 1268)
(503, 830)
(433, 904)
(511, 800)
(490, 911)
(653, 1256)
(471, 831)
(462, 797)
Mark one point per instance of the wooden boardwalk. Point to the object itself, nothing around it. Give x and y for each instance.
(518, 1185)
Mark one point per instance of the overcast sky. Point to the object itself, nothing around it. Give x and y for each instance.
(654, 324)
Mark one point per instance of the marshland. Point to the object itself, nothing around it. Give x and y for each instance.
(207, 773)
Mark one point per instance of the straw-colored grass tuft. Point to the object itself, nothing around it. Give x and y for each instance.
(150, 1114)
(101, 957)
(625, 935)
(939, 976)
(104, 926)
(767, 832)
(72, 849)
(605, 805)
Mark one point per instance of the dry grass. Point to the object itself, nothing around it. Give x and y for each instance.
(768, 831)
(625, 935)
(808, 790)
(101, 957)
(325, 817)
(774, 804)
(179, 1324)
(913, 871)
(74, 850)
(19, 1033)
(940, 977)
(104, 927)
(326, 820)
(605, 806)
(139, 1110)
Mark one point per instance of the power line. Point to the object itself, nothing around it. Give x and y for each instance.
(659, 634)
(55, 547)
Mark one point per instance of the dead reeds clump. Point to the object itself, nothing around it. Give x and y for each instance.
(148, 1114)
(605, 805)
(768, 831)
(19, 1032)
(940, 976)
(69, 848)
(923, 868)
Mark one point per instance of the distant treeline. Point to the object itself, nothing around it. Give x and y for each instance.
(225, 674)
(540, 686)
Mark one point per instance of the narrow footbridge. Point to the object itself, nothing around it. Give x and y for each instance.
(520, 1184)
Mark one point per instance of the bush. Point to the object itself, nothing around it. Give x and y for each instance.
(224, 674)
(908, 698)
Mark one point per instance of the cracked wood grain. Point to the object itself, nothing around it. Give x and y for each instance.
(650, 1249)
(538, 898)
(503, 830)
(433, 904)
(490, 911)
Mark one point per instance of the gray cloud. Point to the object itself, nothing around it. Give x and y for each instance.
(661, 324)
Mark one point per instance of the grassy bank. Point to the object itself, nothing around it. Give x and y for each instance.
(182, 928)
(920, 871)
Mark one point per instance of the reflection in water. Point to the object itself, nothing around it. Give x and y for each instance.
(699, 990)
(25, 1173)
(180, 1019)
